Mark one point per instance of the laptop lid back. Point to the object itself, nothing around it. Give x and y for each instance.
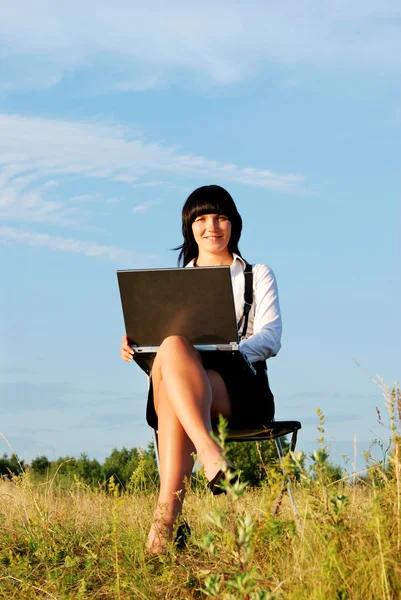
(196, 303)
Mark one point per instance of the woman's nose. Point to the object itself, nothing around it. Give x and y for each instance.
(213, 224)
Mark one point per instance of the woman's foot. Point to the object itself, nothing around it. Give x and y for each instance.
(212, 461)
(160, 535)
(216, 468)
(225, 474)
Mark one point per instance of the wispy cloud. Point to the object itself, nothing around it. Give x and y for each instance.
(37, 149)
(158, 183)
(125, 178)
(149, 184)
(224, 42)
(9, 235)
(145, 206)
(86, 198)
(22, 205)
(289, 84)
(40, 157)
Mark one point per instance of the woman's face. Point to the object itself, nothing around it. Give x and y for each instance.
(212, 233)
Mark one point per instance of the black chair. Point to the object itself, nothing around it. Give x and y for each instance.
(273, 431)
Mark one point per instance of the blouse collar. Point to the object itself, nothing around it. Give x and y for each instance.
(236, 259)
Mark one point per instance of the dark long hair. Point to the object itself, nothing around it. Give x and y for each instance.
(207, 200)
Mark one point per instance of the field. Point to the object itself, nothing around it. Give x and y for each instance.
(76, 541)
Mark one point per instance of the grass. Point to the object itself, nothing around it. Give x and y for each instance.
(85, 544)
(78, 543)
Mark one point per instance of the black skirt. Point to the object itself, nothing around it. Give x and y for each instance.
(251, 399)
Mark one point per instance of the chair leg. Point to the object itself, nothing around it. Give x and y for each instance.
(155, 440)
(286, 483)
(156, 446)
(293, 440)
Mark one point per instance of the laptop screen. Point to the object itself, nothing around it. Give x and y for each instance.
(196, 303)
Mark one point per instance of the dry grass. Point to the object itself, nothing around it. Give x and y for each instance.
(75, 543)
(83, 544)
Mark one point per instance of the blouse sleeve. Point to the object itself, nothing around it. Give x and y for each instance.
(266, 339)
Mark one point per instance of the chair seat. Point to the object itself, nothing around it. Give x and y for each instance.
(259, 432)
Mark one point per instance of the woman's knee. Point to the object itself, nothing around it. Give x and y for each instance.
(175, 344)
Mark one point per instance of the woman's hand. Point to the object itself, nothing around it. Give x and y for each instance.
(126, 351)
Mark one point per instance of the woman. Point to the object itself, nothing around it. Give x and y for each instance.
(188, 390)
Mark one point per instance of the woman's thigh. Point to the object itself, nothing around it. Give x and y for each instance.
(175, 351)
(221, 404)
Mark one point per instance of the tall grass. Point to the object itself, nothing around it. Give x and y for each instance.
(78, 543)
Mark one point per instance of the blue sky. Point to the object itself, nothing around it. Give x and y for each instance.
(110, 115)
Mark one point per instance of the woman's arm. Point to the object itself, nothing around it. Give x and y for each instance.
(266, 339)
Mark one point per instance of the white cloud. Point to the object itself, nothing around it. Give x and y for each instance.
(289, 84)
(157, 183)
(145, 206)
(35, 150)
(86, 198)
(125, 178)
(19, 203)
(9, 235)
(150, 184)
(40, 157)
(142, 45)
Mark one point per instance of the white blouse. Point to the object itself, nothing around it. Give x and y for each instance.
(263, 338)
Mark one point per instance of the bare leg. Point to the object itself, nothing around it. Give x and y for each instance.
(190, 394)
(185, 396)
(176, 463)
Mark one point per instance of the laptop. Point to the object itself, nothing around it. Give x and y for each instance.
(195, 303)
